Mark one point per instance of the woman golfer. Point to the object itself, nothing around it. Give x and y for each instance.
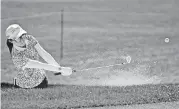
(25, 51)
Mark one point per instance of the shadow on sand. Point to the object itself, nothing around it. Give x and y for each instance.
(5, 85)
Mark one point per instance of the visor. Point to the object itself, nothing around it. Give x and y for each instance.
(14, 31)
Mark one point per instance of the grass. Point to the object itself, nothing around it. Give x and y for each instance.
(62, 96)
(163, 105)
(98, 33)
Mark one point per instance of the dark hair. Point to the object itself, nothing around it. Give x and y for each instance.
(9, 45)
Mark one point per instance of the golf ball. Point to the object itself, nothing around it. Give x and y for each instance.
(166, 40)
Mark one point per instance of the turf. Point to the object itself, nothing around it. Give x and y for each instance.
(163, 105)
(98, 33)
(62, 96)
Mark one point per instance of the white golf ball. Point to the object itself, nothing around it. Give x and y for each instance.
(167, 40)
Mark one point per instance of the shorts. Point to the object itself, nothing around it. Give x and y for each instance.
(43, 84)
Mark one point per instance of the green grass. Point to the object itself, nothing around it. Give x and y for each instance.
(98, 33)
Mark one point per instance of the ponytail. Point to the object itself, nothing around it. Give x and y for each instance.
(9, 45)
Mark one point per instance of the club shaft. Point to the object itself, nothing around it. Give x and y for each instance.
(100, 67)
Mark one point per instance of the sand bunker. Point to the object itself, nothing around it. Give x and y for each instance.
(137, 75)
(129, 80)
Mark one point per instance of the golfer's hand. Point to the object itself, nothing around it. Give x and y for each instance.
(60, 68)
(66, 71)
(58, 73)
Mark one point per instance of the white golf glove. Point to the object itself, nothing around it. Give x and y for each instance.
(65, 71)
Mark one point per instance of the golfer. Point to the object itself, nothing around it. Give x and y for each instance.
(25, 51)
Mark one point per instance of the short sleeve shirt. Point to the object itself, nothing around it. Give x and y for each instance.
(30, 77)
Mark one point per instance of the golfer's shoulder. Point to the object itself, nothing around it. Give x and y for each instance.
(29, 37)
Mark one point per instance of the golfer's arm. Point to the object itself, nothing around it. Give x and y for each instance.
(45, 55)
(40, 65)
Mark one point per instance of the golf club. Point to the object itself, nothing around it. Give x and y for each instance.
(128, 59)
